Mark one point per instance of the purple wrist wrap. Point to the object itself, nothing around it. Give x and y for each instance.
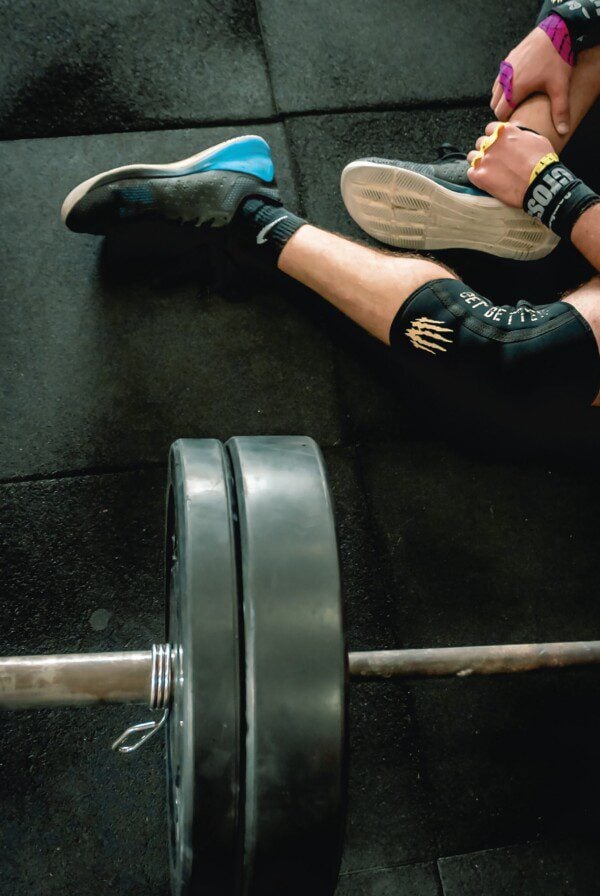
(557, 31)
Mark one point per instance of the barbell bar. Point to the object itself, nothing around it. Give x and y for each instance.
(87, 679)
(251, 680)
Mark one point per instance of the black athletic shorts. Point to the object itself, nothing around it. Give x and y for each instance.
(464, 346)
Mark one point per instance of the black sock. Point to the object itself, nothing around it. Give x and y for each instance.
(263, 229)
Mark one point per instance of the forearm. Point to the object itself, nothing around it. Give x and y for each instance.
(585, 235)
(535, 112)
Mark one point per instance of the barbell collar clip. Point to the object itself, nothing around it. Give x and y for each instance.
(160, 698)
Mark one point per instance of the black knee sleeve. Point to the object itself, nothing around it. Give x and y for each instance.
(463, 345)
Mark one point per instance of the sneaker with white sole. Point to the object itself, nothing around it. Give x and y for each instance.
(204, 190)
(417, 206)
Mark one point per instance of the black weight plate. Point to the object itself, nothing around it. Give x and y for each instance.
(295, 668)
(203, 735)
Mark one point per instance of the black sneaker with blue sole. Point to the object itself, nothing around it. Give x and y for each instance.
(204, 190)
(417, 206)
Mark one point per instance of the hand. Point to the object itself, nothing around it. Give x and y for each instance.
(537, 68)
(506, 167)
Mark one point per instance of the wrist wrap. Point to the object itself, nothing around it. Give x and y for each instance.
(582, 18)
(558, 32)
(558, 198)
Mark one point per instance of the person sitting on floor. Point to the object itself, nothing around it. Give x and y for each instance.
(442, 331)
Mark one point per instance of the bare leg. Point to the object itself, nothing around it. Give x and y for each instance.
(370, 286)
(367, 285)
(587, 301)
(534, 112)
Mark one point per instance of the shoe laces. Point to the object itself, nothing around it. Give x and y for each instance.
(447, 152)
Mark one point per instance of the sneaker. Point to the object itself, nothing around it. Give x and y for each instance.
(204, 190)
(434, 206)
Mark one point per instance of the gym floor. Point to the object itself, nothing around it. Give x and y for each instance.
(453, 530)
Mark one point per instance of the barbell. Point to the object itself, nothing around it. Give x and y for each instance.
(251, 680)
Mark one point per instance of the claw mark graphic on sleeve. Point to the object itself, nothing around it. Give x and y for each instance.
(422, 330)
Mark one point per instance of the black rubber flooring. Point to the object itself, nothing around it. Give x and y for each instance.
(452, 529)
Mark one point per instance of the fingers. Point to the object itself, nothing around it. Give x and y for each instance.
(483, 143)
(503, 110)
(474, 176)
(491, 127)
(497, 99)
(559, 105)
(496, 94)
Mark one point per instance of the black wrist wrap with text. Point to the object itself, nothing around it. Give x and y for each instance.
(558, 198)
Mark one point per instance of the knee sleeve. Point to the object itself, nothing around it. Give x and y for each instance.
(463, 345)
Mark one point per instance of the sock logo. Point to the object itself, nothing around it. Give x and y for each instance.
(262, 235)
(422, 330)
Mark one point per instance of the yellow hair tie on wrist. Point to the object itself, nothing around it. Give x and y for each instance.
(546, 160)
(485, 145)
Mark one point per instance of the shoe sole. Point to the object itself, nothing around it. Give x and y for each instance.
(408, 210)
(256, 160)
